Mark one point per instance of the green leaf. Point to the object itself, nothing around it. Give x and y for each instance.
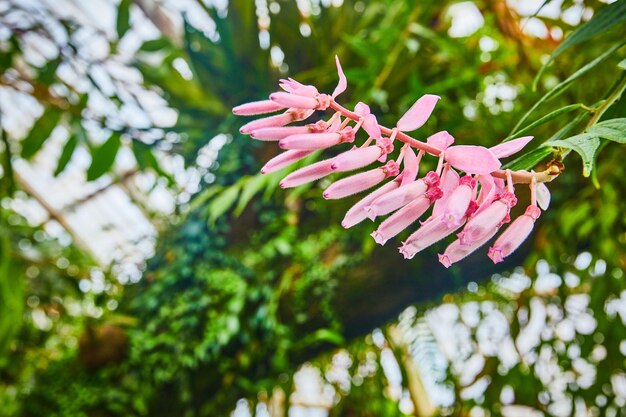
(622, 64)
(103, 157)
(584, 144)
(606, 18)
(66, 154)
(546, 119)
(48, 72)
(223, 202)
(41, 130)
(530, 159)
(564, 85)
(154, 45)
(123, 18)
(612, 129)
(252, 186)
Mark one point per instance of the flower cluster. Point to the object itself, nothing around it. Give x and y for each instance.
(477, 203)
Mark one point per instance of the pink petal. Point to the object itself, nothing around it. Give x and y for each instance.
(370, 125)
(411, 166)
(294, 101)
(277, 133)
(441, 140)
(257, 107)
(454, 212)
(487, 220)
(418, 114)
(488, 190)
(514, 235)
(342, 84)
(449, 181)
(356, 214)
(307, 174)
(543, 196)
(431, 231)
(472, 159)
(356, 158)
(362, 109)
(509, 148)
(283, 160)
(402, 196)
(310, 141)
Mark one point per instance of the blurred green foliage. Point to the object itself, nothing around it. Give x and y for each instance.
(249, 282)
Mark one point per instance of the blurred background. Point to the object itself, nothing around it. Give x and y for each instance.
(147, 268)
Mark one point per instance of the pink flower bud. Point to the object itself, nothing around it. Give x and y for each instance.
(449, 182)
(431, 231)
(294, 101)
(404, 217)
(401, 197)
(356, 214)
(356, 158)
(310, 141)
(277, 133)
(257, 107)
(459, 201)
(488, 220)
(284, 159)
(272, 121)
(292, 86)
(514, 235)
(307, 174)
(457, 250)
(361, 182)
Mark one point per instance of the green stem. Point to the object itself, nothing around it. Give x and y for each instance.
(610, 100)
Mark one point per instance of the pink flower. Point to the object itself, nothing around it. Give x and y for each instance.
(361, 182)
(449, 181)
(313, 141)
(514, 235)
(402, 196)
(257, 107)
(356, 214)
(488, 220)
(458, 250)
(284, 159)
(472, 159)
(432, 231)
(411, 164)
(509, 148)
(407, 215)
(441, 140)
(277, 133)
(459, 201)
(291, 115)
(307, 174)
(360, 157)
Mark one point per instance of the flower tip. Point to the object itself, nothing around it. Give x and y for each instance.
(333, 166)
(243, 130)
(282, 144)
(495, 255)
(263, 170)
(345, 224)
(326, 195)
(378, 237)
(370, 213)
(445, 260)
(282, 184)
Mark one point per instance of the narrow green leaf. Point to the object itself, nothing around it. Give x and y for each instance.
(223, 202)
(608, 133)
(41, 130)
(546, 119)
(66, 154)
(154, 45)
(530, 159)
(622, 64)
(252, 186)
(103, 157)
(604, 19)
(564, 85)
(123, 18)
(584, 144)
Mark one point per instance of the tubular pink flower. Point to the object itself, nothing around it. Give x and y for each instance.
(509, 148)
(411, 164)
(402, 196)
(307, 174)
(356, 214)
(312, 141)
(404, 217)
(484, 222)
(292, 86)
(294, 100)
(360, 157)
(459, 201)
(257, 107)
(277, 133)
(514, 235)
(431, 231)
(284, 159)
(361, 182)
(291, 115)
(457, 250)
